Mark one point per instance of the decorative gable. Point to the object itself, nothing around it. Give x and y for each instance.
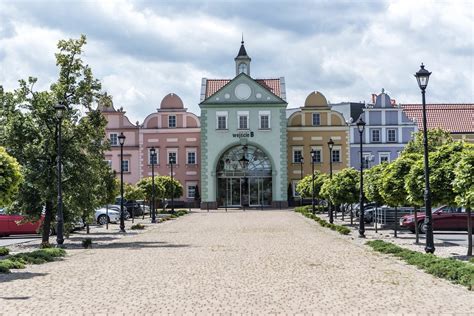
(243, 89)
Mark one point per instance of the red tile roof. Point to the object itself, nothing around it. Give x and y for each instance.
(455, 118)
(272, 85)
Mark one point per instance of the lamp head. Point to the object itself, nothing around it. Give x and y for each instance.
(422, 76)
(60, 108)
(153, 151)
(121, 138)
(360, 124)
(330, 143)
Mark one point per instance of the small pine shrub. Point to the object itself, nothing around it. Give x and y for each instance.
(87, 243)
(4, 251)
(137, 227)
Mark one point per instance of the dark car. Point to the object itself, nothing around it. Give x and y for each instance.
(444, 218)
(132, 206)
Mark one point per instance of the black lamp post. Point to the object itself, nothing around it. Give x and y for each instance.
(330, 145)
(244, 163)
(422, 76)
(361, 126)
(153, 158)
(312, 152)
(301, 177)
(121, 139)
(60, 108)
(172, 162)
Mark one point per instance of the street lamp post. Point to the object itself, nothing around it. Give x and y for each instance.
(330, 145)
(244, 163)
(361, 126)
(301, 177)
(121, 139)
(312, 152)
(423, 76)
(172, 162)
(60, 108)
(153, 158)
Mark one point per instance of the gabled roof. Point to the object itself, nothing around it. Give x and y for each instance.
(455, 118)
(272, 85)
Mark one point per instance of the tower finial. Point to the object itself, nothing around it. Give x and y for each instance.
(242, 38)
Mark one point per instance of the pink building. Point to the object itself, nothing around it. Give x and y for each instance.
(175, 134)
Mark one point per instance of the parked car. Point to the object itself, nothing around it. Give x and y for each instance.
(132, 206)
(101, 216)
(13, 224)
(444, 218)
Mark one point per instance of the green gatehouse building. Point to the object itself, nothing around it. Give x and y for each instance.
(243, 140)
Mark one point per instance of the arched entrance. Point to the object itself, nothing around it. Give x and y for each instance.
(244, 177)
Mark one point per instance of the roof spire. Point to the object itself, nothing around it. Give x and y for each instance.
(242, 38)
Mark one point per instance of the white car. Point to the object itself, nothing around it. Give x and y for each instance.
(101, 216)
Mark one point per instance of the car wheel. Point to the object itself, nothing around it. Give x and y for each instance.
(102, 219)
(422, 227)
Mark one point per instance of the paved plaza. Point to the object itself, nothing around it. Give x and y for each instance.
(260, 262)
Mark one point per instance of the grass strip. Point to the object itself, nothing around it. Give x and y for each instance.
(19, 260)
(4, 251)
(340, 229)
(456, 271)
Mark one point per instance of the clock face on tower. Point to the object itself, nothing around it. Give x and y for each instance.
(242, 68)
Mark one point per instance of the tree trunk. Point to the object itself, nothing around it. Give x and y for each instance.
(417, 233)
(469, 231)
(395, 223)
(48, 215)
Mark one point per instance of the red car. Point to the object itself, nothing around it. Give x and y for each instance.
(12, 225)
(444, 218)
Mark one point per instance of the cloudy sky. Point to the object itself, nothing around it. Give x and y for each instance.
(142, 49)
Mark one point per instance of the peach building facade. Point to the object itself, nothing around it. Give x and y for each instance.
(311, 128)
(171, 130)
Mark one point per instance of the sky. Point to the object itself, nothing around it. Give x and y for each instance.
(141, 50)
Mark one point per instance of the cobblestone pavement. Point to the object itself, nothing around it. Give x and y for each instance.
(261, 262)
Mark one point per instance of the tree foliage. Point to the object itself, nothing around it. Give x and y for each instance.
(373, 183)
(392, 182)
(133, 192)
(10, 177)
(305, 189)
(31, 130)
(463, 183)
(343, 187)
(436, 138)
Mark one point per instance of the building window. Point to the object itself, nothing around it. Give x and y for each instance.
(221, 120)
(172, 121)
(191, 191)
(125, 165)
(316, 119)
(317, 156)
(367, 158)
(375, 136)
(153, 159)
(243, 119)
(392, 135)
(191, 159)
(113, 137)
(172, 157)
(384, 157)
(336, 155)
(264, 120)
(294, 184)
(297, 155)
(109, 163)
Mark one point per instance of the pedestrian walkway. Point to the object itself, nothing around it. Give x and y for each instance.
(235, 262)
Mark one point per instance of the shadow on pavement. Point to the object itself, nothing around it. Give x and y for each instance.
(20, 275)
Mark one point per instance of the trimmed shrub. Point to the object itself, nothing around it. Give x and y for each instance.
(4, 251)
(340, 229)
(87, 243)
(456, 271)
(137, 227)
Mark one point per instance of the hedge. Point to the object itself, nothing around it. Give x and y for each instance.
(19, 260)
(340, 229)
(456, 271)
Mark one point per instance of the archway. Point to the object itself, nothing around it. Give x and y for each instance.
(244, 177)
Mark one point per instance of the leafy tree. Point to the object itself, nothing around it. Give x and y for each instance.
(145, 185)
(342, 188)
(373, 183)
(133, 192)
(464, 188)
(392, 180)
(30, 134)
(10, 177)
(436, 138)
(305, 189)
(170, 186)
